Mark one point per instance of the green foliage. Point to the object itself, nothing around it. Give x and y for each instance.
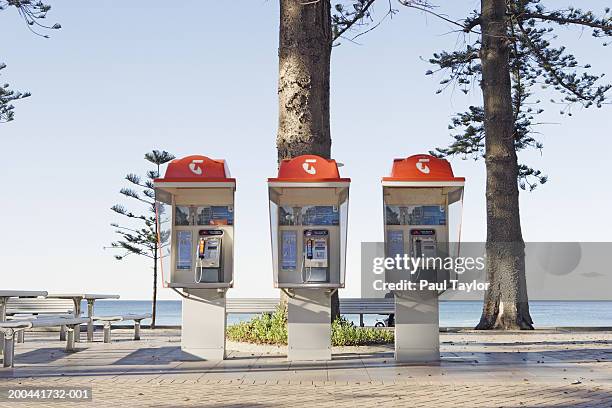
(140, 237)
(7, 96)
(263, 329)
(353, 16)
(534, 62)
(31, 12)
(272, 329)
(346, 333)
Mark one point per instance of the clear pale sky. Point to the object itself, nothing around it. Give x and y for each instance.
(193, 77)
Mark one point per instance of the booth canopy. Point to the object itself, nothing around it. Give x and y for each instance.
(195, 169)
(308, 169)
(193, 172)
(422, 170)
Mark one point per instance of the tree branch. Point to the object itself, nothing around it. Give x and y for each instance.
(565, 20)
(547, 66)
(358, 16)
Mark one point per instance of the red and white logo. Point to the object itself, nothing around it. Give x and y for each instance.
(195, 169)
(422, 167)
(308, 168)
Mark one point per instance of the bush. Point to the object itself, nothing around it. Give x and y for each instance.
(345, 333)
(272, 329)
(263, 329)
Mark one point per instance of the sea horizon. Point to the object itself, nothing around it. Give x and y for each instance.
(453, 313)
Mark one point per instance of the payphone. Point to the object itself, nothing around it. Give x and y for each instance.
(208, 263)
(196, 240)
(308, 226)
(316, 256)
(416, 199)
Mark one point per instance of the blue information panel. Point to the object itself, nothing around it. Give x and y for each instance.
(415, 215)
(309, 215)
(395, 243)
(215, 215)
(320, 215)
(289, 249)
(184, 252)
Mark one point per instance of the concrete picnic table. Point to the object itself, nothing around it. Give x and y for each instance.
(6, 294)
(77, 298)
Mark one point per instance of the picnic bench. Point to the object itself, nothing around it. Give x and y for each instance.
(20, 308)
(10, 328)
(107, 321)
(76, 299)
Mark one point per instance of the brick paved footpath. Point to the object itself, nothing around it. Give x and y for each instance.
(537, 370)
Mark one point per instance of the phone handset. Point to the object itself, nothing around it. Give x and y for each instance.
(201, 249)
(308, 255)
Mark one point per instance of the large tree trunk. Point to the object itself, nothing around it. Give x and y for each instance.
(505, 305)
(304, 55)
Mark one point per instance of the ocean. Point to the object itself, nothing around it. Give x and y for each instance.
(452, 314)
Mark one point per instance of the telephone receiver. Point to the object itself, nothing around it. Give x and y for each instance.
(201, 250)
(309, 245)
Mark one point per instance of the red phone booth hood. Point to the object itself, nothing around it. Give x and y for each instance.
(308, 168)
(196, 169)
(422, 170)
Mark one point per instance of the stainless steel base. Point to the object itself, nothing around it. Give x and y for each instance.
(203, 327)
(309, 321)
(417, 327)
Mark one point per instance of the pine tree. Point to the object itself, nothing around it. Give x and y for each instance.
(141, 237)
(306, 35)
(511, 55)
(32, 12)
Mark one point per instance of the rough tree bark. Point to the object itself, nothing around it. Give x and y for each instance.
(304, 55)
(505, 304)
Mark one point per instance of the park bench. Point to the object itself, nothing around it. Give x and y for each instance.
(20, 308)
(12, 327)
(107, 321)
(355, 306)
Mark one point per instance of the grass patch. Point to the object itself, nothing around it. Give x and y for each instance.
(272, 329)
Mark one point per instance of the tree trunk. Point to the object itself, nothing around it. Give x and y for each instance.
(505, 305)
(304, 55)
(154, 307)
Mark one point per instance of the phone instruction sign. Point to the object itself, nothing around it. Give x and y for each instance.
(184, 255)
(289, 250)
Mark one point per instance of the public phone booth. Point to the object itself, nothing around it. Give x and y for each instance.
(308, 225)
(418, 197)
(195, 215)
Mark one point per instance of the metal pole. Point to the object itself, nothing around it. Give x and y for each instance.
(70, 338)
(90, 325)
(9, 348)
(136, 329)
(77, 313)
(3, 301)
(107, 332)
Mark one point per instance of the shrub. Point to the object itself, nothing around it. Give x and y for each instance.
(345, 333)
(263, 329)
(272, 329)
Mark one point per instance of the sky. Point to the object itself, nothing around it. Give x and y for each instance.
(194, 77)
